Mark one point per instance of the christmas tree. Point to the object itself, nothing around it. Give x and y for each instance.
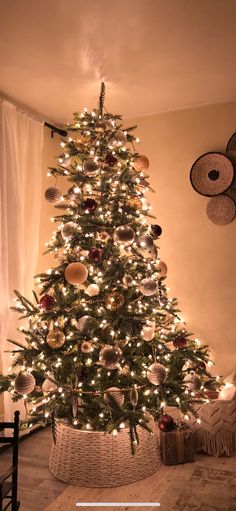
(104, 344)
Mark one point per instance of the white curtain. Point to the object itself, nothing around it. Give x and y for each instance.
(21, 141)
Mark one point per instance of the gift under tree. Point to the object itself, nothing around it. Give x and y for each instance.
(103, 345)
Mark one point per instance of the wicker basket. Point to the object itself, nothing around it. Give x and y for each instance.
(95, 459)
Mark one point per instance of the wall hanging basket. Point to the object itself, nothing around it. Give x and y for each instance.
(221, 210)
(212, 174)
(95, 459)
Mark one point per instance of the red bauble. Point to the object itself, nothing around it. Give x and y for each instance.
(110, 160)
(47, 302)
(156, 230)
(180, 342)
(95, 255)
(89, 205)
(166, 423)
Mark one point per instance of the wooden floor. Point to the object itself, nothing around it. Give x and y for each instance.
(38, 488)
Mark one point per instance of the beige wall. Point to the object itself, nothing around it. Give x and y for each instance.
(200, 255)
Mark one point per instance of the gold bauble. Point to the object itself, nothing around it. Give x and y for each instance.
(134, 202)
(56, 338)
(103, 236)
(157, 374)
(162, 267)
(76, 273)
(114, 301)
(141, 163)
(109, 356)
(116, 394)
(86, 347)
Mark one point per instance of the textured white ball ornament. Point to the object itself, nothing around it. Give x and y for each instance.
(193, 382)
(53, 194)
(117, 395)
(48, 386)
(76, 273)
(24, 383)
(92, 290)
(148, 287)
(157, 374)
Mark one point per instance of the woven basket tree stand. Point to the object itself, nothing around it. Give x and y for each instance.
(96, 459)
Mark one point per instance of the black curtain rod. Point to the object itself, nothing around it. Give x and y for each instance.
(54, 129)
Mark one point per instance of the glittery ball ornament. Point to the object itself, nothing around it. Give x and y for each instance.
(53, 194)
(86, 347)
(74, 193)
(56, 338)
(148, 287)
(148, 332)
(48, 386)
(111, 160)
(114, 301)
(92, 290)
(141, 163)
(103, 236)
(127, 280)
(116, 394)
(69, 230)
(157, 374)
(24, 383)
(90, 168)
(120, 137)
(109, 356)
(166, 423)
(156, 230)
(124, 235)
(47, 302)
(134, 202)
(162, 267)
(193, 382)
(180, 342)
(95, 255)
(145, 242)
(86, 325)
(76, 273)
(89, 205)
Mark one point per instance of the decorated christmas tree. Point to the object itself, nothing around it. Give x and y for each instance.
(104, 346)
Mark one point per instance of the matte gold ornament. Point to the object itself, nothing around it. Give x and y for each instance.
(141, 163)
(92, 290)
(48, 386)
(76, 273)
(69, 230)
(56, 339)
(124, 235)
(157, 374)
(116, 394)
(24, 383)
(148, 332)
(53, 194)
(134, 202)
(109, 356)
(193, 382)
(114, 301)
(162, 267)
(148, 287)
(127, 280)
(91, 168)
(103, 236)
(120, 137)
(86, 347)
(134, 396)
(145, 242)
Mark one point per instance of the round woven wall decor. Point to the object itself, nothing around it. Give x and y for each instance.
(231, 146)
(221, 210)
(212, 174)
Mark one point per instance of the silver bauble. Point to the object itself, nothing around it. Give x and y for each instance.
(109, 356)
(74, 193)
(145, 242)
(116, 394)
(68, 230)
(24, 383)
(91, 168)
(157, 374)
(124, 235)
(87, 325)
(148, 287)
(53, 194)
(193, 382)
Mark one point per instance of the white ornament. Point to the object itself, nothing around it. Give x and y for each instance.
(148, 333)
(92, 290)
(227, 392)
